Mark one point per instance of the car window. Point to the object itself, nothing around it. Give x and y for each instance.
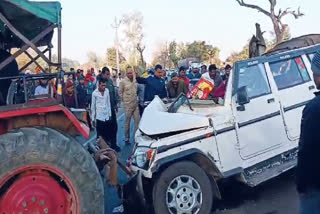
(310, 56)
(255, 78)
(302, 69)
(290, 72)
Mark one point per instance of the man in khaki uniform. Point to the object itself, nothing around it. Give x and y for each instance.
(128, 94)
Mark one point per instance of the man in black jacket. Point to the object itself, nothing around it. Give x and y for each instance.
(155, 85)
(308, 169)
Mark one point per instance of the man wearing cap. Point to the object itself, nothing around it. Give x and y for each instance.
(308, 169)
(175, 86)
(42, 88)
(194, 76)
(68, 95)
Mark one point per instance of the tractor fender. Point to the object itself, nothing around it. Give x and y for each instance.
(43, 115)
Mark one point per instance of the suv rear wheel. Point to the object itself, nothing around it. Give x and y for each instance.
(183, 188)
(44, 171)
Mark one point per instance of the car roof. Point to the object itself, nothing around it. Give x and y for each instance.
(278, 56)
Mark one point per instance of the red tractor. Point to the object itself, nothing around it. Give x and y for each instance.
(45, 166)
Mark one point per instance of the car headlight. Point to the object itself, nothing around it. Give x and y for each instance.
(143, 156)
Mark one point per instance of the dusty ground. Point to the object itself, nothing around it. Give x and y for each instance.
(277, 196)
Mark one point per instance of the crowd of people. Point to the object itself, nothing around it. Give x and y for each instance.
(102, 93)
(136, 91)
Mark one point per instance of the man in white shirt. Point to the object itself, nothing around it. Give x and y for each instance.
(101, 113)
(42, 88)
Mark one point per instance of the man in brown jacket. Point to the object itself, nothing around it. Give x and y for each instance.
(175, 87)
(128, 94)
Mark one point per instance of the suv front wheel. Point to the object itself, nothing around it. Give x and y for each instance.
(183, 187)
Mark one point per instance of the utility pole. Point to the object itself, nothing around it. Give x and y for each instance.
(116, 26)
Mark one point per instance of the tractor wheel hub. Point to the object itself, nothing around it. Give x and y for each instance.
(35, 193)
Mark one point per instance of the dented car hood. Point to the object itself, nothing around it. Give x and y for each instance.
(157, 120)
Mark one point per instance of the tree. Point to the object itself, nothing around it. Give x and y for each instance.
(206, 53)
(133, 32)
(196, 49)
(169, 54)
(280, 29)
(111, 58)
(67, 63)
(140, 49)
(273, 42)
(94, 61)
(162, 56)
(182, 52)
(212, 56)
(238, 56)
(173, 53)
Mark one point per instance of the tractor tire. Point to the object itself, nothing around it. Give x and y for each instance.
(183, 187)
(53, 158)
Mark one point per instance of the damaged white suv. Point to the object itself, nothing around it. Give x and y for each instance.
(181, 151)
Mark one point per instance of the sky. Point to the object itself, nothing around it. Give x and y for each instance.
(222, 23)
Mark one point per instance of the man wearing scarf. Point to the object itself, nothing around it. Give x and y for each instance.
(68, 95)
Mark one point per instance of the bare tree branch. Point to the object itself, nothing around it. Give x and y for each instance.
(242, 3)
(292, 12)
(140, 47)
(297, 15)
(280, 28)
(272, 5)
(279, 13)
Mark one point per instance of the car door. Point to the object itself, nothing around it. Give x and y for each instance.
(295, 90)
(259, 123)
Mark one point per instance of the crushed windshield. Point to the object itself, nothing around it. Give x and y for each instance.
(182, 99)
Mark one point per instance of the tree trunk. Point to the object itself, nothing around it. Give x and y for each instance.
(142, 60)
(140, 50)
(277, 29)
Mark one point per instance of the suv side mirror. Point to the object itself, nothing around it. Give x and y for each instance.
(242, 96)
